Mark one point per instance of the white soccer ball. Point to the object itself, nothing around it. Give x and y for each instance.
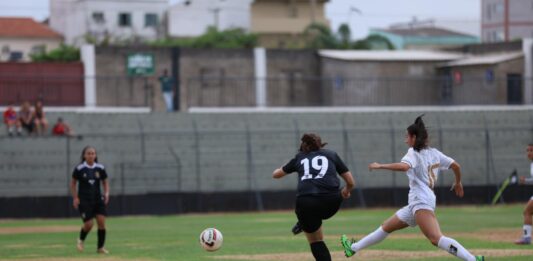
(211, 239)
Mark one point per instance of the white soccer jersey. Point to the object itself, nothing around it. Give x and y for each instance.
(423, 173)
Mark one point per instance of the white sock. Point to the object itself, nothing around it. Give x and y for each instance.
(527, 231)
(370, 239)
(453, 247)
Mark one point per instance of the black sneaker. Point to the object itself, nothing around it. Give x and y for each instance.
(296, 229)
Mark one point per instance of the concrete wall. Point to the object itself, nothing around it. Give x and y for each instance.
(475, 88)
(379, 83)
(293, 83)
(212, 77)
(115, 88)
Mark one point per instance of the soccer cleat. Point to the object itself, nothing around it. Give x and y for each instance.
(480, 258)
(79, 246)
(102, 251)
(296, 229)
(523, 241)
(347, 245)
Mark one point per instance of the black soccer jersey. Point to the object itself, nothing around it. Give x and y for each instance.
(89, 178)
(317, 171)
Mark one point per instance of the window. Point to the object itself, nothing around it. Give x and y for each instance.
(124, 19)
(498, 8)
(293, 10)
(150, 20)
(38, 49)
(15, 56)
(98, 18)
(489, 11)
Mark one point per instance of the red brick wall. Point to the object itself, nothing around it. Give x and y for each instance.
(57, 84)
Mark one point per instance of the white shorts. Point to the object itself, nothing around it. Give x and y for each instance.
(407, 213)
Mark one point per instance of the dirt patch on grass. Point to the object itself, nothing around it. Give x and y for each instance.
(376, 255)
(38, 229)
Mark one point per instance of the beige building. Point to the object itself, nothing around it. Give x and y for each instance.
(20, 37)
(506, 20)
(281, 23)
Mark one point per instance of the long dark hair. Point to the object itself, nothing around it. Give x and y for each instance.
(311, 142)
(82, 157)
(419, 130)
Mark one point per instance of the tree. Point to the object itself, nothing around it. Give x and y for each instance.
(63, 53)
(319, 36)
(212, 38)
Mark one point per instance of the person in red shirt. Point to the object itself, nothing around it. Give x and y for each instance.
(61, 128)
(11, 122)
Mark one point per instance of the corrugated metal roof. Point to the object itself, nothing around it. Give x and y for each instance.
(386, 55)
(484, 59)
(424, 32)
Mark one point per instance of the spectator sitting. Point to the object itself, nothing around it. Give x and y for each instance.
(26, 118)
(61, 128)
(10, 119)
(41, 123)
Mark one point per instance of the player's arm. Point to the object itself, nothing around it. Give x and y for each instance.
(399, 166)
(526, 181)
(457, 185)
(350, 184)
(105, 185)
(74, 192)
(278, 173)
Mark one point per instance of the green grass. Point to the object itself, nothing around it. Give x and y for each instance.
(176, 237)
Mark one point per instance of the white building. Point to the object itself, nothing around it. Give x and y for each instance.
(117, 20)
(192, 17)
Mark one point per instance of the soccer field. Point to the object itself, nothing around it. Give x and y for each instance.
(263, 236)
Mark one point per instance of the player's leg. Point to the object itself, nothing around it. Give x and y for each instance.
(429, 226)
(318, 247)
(101, 213)
(526, 236)
(400, 220)
(85, 229)
(307, 211)
(100, 220)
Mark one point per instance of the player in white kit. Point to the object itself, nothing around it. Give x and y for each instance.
(422, 165)
(528, 211)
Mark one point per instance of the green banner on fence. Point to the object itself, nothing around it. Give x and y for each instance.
(140, 64)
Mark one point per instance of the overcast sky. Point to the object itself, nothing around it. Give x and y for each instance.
(461, 15)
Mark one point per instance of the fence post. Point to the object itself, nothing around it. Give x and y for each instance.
(393, 159)
(252, 180)
(142, 139)
(67, 167)
(346, 140)
(122, 188)
(197, 165)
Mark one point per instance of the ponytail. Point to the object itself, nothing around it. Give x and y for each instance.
(418, 129)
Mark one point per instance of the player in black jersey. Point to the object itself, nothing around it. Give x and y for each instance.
(87, 197)
(319, 195)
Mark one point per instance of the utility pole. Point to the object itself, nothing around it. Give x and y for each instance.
(216, 16)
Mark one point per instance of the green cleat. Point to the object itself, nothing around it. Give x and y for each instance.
(347, 245)
(480, 258)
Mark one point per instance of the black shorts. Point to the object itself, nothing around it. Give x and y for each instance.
(312, 209)
(89, 209)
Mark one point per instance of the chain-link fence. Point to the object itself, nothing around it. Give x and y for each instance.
(209, 160)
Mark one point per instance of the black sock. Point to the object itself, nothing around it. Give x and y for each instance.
(83, 234)
(101, 238)
(320, 251)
